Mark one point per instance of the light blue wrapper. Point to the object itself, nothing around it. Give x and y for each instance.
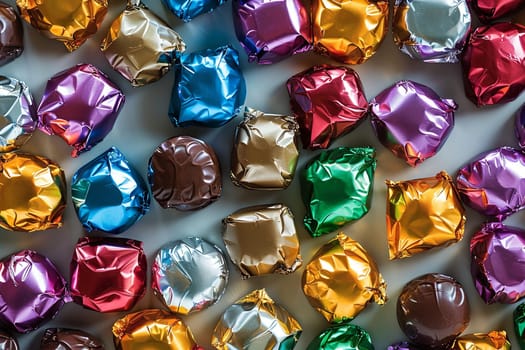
(108, 194)
(189, 9)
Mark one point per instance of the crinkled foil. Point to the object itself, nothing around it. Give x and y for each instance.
(494, 340)
(341, 279)
(519, 126)
(349, 31)
(33, 291)
(140, 45)
(32, 191)
(422, 214)
(488, 10)
(328, 102)
(69, 339)
(70, 21)
(345, 336)
(265, 151)
(152, 329)
(518, 317)
(431, 31)
(17, 113)
(11, 35)
(189, 275)
(256, 322)
(262, 239)
(108, 274)
(8, 342)
(189, 9)
(403, 346)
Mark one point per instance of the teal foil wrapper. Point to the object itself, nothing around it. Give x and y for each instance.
(344, 336)
(519, 324)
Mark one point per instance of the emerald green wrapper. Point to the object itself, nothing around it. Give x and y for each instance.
(345, 336)
(519, 324)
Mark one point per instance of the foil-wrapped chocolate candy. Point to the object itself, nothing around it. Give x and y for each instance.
(189, 9)
(519, 126)
(32, 191)
(343, 336)
(33, 291)
(265, 151)
(422, 214)
(17, 112)
(431, 31)
(518, 317)
(80, 105)
(494, 340)
(69, 339)
(411, 120)
(328, 102)
(262, 240)
(349, 31)
(184, 173)
(209, 88)
(336, 188)
(267, 44)
(403, 346)
(108, 194)
(72, 24)
(7, 341)
(11, 36)
(488, 10)
(342, 279)
(108, 274)
(256, 322)
(152, 329)
(141, 46)
(189, 275)
(493, 63)
(492, 183)
(432, 310)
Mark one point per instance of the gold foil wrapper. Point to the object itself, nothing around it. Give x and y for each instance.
(265, 151)
(350, 31)
(495, 340)
(422, 214)
(32, 193)
(69, 21)
(341, 279)
(152, 329)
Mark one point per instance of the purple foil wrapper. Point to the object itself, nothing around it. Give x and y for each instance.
(32, 291)
(498, 263)
(519, 126)
(493, 183)
(403, 346)
(411, 120)
(81, 106)
(272, 30)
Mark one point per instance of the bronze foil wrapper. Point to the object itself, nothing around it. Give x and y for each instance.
(69, 339)
(11, 34)
(265, 151)
(494, 340)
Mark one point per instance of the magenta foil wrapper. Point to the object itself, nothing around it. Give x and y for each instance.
(80, 105)
(32, 291)
(493, 183)
(498, 263)
(519, 126)
(265, 42)
(411, 120)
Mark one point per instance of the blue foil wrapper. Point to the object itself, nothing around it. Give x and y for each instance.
(209, 88)
(189, 9)
(108, 194)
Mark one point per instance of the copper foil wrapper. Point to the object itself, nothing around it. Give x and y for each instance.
(140, 45)
(495, 340)
(8, 342)
(262, 240)
(341, 279)
(152, 329)
(265, 151)
(256, 322)
(11, 35)
(349, 31)
(488, 10)
(71, 22)
(69, 339)
(32, 191)
(422, 214)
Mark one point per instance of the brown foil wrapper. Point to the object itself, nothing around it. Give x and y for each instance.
(341, 279)
(262, 240)
(7, 342)
(11, 34)
(69, 21)
(265, 151)
(422, 214)
(69, 339)
(495, 340)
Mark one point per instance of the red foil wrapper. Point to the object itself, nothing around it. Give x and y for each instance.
(328, 102)
(108, 274)
(488, 10)
(494, 63)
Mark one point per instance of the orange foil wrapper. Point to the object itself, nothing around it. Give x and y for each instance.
(350, 31)
(341, 279)
(495, 340)
(422, 214)
(32, 192)
(69, 21)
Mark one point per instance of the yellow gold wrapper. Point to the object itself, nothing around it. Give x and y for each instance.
(422, 214)
(69, 21)
(32, 193)
(495, 340)
(349, 30)
(152, 329)
(341, 279)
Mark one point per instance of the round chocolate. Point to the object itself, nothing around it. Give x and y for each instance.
(433, 310)
(184, 174)
(11, 35)
(7, 342)
(69, 339)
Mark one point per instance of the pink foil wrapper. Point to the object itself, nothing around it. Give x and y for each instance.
(488, 10)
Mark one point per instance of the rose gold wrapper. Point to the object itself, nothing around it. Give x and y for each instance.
(341, 279)
(350, 31)
(495, 340)
(422, 214)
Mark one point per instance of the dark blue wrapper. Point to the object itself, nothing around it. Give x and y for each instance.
(189, 9)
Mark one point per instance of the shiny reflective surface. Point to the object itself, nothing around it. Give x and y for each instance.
(343, 336)
(494, 340)
(69, 339)
(189, 9)
(488, 10)
(519, 126)
(8, 342)
(519, 324)
(11, 34)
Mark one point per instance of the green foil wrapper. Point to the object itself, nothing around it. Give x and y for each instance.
(336, 187)
(344, 336)
(519, 324)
